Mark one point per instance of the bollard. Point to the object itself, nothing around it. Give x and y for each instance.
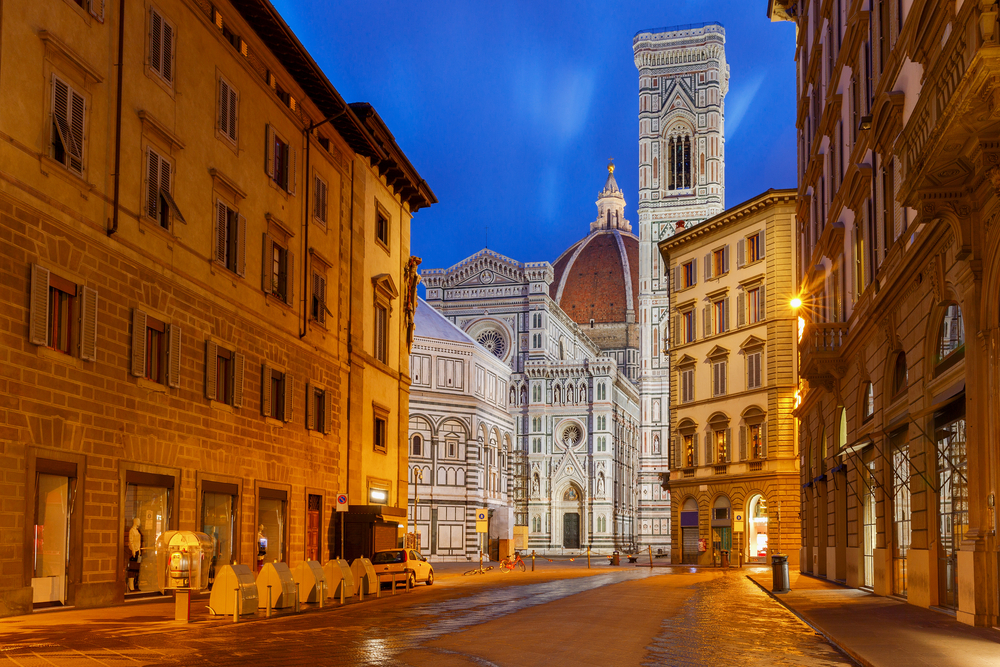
(650, 556)
(392, 589)
(532, 560)
(588, 558)
(341, 591)
(268, 602)
(378, 588)
(296, 597)
(236, 607)
(361, 589)
(322, 592)
(480, 560)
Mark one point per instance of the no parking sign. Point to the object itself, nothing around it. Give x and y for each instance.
(342, 502)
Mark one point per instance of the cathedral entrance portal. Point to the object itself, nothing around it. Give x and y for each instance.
(571, 530)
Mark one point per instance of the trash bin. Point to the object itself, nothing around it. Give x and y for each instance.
(779, 573)
(616, 558)
(724, 560)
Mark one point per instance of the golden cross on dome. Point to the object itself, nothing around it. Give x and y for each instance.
(611, 167)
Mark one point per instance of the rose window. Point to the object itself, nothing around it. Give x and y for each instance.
(571, 435)
(493, 341)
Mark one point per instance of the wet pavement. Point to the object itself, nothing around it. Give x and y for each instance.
(568, 615)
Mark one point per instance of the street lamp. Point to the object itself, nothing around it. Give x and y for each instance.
(418, 477)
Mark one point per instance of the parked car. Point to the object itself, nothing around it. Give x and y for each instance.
(400, 560)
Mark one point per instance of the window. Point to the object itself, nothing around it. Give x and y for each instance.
(416, 442)
(68, 123)
(381, 333)
(678, 163)
(688, 275)
(278, 275)
(750, 249)
(318, 309)
(719, 371)
(229, 102)
(230, 238)
(868, 402)
(63, 315)
(717, 263)
(536, 445)
(753, 370)
(380, 429)
(319, 409)
(750, 306)
(451, 449)
(602, 443)
(279, 160)
(159, 202)
(721, 437)
(276, 394)
(687, 385)
(536, 393)
(755, 436)
(382, 227)
(161, 46)
(224, 375)
(156, 349)
(717, 317)
(899, 375)
(687, 324)
(536, 320)
(319, 200)
(689, 451)
(951, 340)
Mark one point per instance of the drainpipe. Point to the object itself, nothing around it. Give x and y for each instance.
(118, 118)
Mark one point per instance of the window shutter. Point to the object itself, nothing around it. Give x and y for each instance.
(224, 107)
(706, 320)
(723, 369)
(675, 444)
(729, 445)
(88, 324)
(39, 316)
(761, 304)
(763, 440)
(725, 314)
(293, 173)
(266, 277)
(211, 370)
(168, 52)
(138, 343)
(234, 105)
(677, 330)
(289, 277)
(741, 246)
(174, 355)
(97, 9)
(265, 390)
(725, 258)
(155, 41)
(239, 364)
(708, 266)
(289, 396)
(695, 449)
(241, 246)
(760, 243)
(879, 211)
(694, 271)
(743, 443)
(321, 291)
(76, 130)
(152, 183)
(897, 208)
(327, 411)
(165, 168)
(741, 316)
(269, 151)
(677, 278)
(219, 234)
(310, 408)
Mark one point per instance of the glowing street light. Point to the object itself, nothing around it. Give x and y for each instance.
(796, 303)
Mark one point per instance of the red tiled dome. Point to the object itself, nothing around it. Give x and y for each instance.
(598, 278)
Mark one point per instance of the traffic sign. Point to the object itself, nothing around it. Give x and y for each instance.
(738, 522)
(481, 527)
(342, 502)
(481, 515)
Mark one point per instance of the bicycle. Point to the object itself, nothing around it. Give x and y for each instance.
(508, 564)
(478, 570)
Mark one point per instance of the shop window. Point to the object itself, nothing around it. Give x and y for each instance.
(380, 429)
(63, 315)
(899, 375)
(219, 505)
(56, 528)
(224, 370)
(156, 349)
(951, 337)
(276, 393)
(147, 512)
(272, 517)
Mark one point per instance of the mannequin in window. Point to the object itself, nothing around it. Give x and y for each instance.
(261, 547)
(133, 549)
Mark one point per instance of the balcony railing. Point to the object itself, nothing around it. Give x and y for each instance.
(819, 350)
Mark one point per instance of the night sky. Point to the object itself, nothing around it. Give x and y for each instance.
(510, 110)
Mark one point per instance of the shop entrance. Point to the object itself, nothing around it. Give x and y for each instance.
(146, 514)
(53, 500)
(953, 498)
(757, 530)
(689, 531)
(722, 529)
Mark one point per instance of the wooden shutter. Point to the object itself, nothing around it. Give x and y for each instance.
(168, 52)
(725, 258)
(741, 316)
(165, 173)
(695, 449)
(293, 155)
(224, 107)
(155, 41)
(694, 271)
(211, 370)
(760, 243)
(266, 275)
(174, 336)
(761, 304)
(321, 296)
(725, 314)
(76, 124)
(310, 408)
(97, 9)
(763, 440)
(39, 326)
(289, 385)
(741, 251)
(289, 277)
(152, 182)
(220, 232)
(88, 324)
(708, 266)
(729, 445)
(706, 321)
(234, 113)
(269, 151)
(743, 443)
(265, 390)
(239, 363)
(723, 372)
(677, 278)
(677, 330)
(138, 343)
(241, 246)
(327, 411)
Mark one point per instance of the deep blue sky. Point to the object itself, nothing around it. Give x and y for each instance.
(510, 110)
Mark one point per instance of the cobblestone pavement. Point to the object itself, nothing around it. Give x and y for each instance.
(627, 616)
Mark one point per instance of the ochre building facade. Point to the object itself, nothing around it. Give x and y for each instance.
(207, 295)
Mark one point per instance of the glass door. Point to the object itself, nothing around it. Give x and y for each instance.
(218, 521)
(53, 500)
(953, 506)
(147, 514)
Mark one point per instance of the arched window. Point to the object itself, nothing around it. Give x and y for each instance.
(899, 375)
(842, 434)
(868, 402)
(417, 441)
(656, 346)
(951, 339)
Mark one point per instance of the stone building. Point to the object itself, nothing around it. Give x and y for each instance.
(462, 454)
(734, 478)
(683, 80)
(207, 294)
(898, 192)
(574, 399)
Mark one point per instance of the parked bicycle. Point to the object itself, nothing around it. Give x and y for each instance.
(508, 564)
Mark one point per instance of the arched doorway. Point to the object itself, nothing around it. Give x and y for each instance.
(689, 531)
(722, 529)
(757, 530)
(570, 507)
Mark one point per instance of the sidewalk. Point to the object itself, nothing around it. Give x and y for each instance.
(882, 631)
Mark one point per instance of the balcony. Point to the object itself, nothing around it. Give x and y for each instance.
(820, 362)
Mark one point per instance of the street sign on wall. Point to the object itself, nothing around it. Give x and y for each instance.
(342, 502)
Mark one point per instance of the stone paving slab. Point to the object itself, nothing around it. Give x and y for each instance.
(880, 631)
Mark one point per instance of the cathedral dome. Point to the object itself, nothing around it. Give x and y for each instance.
(597, 278)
